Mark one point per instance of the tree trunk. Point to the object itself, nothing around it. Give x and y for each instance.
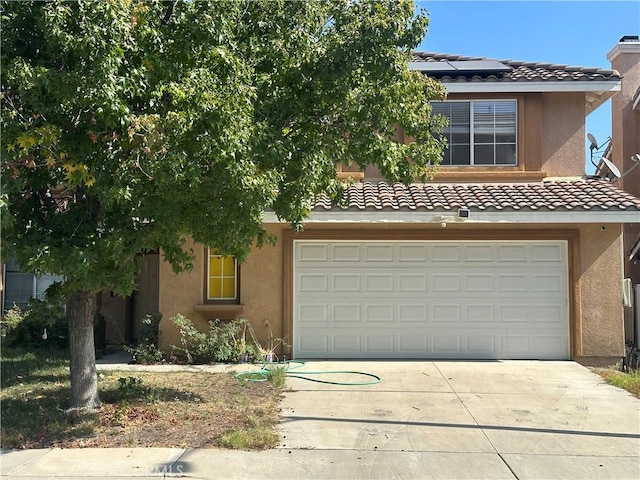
(81, 309)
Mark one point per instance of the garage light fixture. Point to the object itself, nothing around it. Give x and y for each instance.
(463, 215)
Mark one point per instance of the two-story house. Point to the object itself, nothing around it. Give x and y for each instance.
(510, 253)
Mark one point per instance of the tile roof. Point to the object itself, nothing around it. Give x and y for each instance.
(521, 71)
(579, 195)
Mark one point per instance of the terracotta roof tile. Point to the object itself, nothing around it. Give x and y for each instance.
(588, 194)
(521, 71)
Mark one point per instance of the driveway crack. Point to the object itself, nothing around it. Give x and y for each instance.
(506, 464)
(476, 422)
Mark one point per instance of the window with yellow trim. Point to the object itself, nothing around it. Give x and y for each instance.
(222, 277)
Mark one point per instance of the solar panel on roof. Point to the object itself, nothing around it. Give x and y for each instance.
(480, 66)
(431, 66)
(460, 67)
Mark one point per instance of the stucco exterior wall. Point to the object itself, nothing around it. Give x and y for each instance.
(262, 287)
(601, 291)
(563, 134)
(180, 293)
(595, 277)
(260, 293)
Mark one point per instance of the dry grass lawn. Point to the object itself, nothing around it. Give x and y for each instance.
(140, 409)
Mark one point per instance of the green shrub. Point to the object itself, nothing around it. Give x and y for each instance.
(134, 388)
(145, 354)
(219, 344)
(27, 328)
(147, 350)
(247, 351)
(12, 318)
(150, 331)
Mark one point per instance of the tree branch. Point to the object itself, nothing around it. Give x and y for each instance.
(169, 12)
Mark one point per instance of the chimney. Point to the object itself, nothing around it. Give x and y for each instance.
(625, 144)
(625, 110)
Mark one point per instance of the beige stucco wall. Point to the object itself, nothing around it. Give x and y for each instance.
(260, 293)
(601, 291)
(262, 287)
(596, 309)
(563, 134)
(180, 293)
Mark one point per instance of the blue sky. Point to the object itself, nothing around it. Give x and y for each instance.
(577, 33)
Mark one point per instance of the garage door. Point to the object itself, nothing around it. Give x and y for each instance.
(436, 299)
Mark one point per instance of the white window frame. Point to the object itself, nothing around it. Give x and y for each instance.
(472, 143)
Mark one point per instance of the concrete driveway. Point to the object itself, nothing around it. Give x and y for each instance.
(426, 420)
(503, 419)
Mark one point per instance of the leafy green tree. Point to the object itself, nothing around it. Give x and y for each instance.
(128, 126)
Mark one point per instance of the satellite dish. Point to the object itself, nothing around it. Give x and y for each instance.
(611, 171)
(593, 141)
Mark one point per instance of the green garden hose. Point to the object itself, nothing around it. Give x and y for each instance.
(263, 374)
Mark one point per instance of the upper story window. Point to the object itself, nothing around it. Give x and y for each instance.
(480, 132)
(222, 277)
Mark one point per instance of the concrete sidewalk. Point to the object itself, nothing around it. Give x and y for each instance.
(446, 420)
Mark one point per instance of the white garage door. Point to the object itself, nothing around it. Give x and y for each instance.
(436, 299)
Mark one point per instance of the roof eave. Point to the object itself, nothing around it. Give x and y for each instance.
(596, 99)
(603, 86)
(596, 92)
(391, 216)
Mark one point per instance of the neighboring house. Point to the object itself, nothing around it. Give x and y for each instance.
(510, 253)
(625, 153)
(20, 287)
(119, 319)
